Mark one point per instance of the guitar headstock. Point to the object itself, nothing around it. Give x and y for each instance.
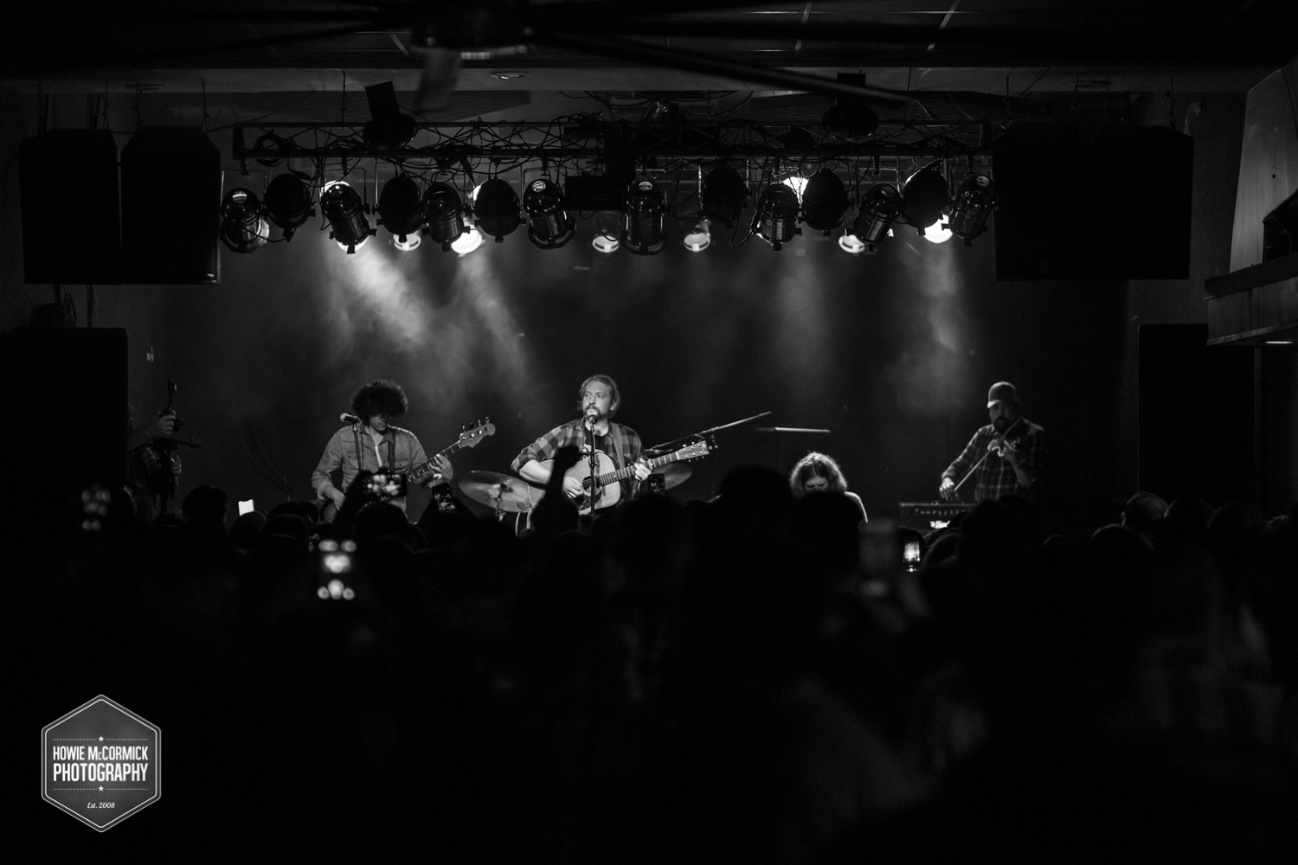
(693, 451)
(471, 434)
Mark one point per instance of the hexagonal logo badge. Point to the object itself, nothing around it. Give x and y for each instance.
(101, 763)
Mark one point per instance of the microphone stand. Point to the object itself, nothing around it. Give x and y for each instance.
(707, 435)
(593, 460)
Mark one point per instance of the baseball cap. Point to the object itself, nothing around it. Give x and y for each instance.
(1002, 391)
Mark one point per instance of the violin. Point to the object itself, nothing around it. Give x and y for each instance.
(1006, 441)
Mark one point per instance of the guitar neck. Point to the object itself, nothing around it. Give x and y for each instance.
(431, 466)
(629, 471)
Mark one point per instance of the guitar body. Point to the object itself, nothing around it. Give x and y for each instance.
(607, 495)
(606, 482)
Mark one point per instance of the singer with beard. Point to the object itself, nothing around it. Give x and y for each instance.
(598, 400)
(1006, 456)
(370, 441)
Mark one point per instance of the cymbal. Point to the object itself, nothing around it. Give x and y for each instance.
(496, 490)
(674, 474)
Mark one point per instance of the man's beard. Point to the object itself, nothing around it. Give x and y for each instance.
(1002, 423)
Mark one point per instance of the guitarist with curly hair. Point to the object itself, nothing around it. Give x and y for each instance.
(370, 441)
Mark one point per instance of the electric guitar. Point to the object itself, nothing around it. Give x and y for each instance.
(397, 482)
(607, 489)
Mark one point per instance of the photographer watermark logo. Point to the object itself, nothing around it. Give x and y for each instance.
(100, 763)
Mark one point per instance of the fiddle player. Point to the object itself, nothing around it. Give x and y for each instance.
(1007, 455)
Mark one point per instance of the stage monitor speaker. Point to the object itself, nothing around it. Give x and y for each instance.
(1042, 173)
(71, 227)
(171, 198)
(73, 386)
(1195, 411)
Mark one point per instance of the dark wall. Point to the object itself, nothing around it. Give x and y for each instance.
(70, 384)
(1196, 415)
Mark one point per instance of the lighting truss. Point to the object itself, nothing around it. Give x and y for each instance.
(592, 162)
(589, 137)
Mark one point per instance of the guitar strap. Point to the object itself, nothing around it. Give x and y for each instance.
(356, 435)
(360, 456)
(615, 433)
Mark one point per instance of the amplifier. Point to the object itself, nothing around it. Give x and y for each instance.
(930, 516)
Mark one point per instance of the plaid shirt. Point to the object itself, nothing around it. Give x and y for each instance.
(996, 477)
(399, 448)
(620, 438)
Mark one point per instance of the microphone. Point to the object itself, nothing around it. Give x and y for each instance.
(348, 418)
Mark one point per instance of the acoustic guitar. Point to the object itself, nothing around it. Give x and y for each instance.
(607, 489)
(395, 483)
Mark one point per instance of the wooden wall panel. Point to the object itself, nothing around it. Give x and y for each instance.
(1268, 166)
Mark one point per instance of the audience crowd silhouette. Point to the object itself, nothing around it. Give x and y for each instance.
(743, 680)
